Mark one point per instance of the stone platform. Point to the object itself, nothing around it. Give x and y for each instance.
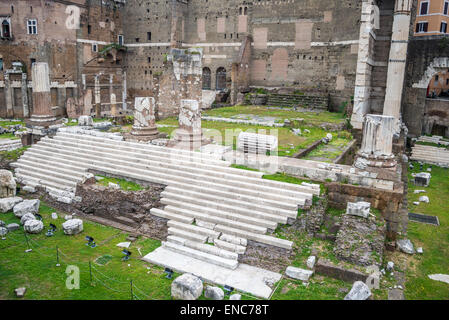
(245, 278)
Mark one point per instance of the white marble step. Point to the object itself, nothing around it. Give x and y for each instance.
(167, 176)
(171, 216)
(223, 207)
(210, 234)
(233, 201)
(256, 237)
(229, 246)
(251, 176)
(187, 235)
(206, 257)
(218, 218)
(206, 248)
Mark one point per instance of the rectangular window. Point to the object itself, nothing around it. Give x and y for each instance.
(424, 8)
(32, 26)
(446, 8)
(443, 27)
(94, 47)
(32, 60)
(89, 29)
(149, 36)
(120, 40)
(1, 64)
(422, 27)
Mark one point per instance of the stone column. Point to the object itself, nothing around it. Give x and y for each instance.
(377, 143)
(397, 61)
(25, 103)
(42, 112)
(97, 97)
(189, 135)
(114, 111)
(9, 96)
(144, 128)
(362, 91)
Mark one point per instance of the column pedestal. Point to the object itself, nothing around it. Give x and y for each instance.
(144, 128)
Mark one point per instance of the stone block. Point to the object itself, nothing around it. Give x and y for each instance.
(33, 226)
(72, 227)
(6, 204)
(7, 184)
(298, 273)
(26, 217)
(361, 209)
(186, 287)
(422, 179)
(214, 293)
(359, 291)
(26, 206)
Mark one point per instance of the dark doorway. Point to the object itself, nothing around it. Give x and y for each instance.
(206, 79)
(221, 79)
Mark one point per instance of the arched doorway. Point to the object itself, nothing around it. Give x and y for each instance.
(206, 78)
(6, 33)
(221, 79)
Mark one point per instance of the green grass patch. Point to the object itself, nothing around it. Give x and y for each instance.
(37, 270)
(9, 135)
(282, 177)
(238, 166)
(431, 144)
(103, 260)
(433, 239)
(13, 154)
(124, 184)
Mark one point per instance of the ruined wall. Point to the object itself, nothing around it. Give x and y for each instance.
(426, 57)
(65, 45)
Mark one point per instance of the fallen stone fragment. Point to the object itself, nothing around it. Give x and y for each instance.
(424, 199)
(20, 292)
(54, 216)
(311, 262)
(12, 227)
(186, 287)
(406, 246)
(26, 217)
(33, 226)
(235, 296)
(26, 206)
(361, 209)
(359, 291)
(72, 227)
(298, 273)
(29, 189)
(3, 231)
(390, 266)
(124, 244)
(6, 204)
(214, 293)
(440, 277)
(419, 250)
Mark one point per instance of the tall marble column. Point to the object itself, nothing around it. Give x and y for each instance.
(144, 128)
(397, 61)
(42, 112)
(377, 143)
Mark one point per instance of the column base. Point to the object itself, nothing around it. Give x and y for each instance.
(363, 161)
(42, 121)
(188, 141)
(143, 134)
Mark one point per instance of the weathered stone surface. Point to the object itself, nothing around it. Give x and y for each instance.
(26, 206)
(85, 121)
(311, 262)
(422, 179)
(54, 215)
(186, 287)
(424, 199)
(6, 204)
(113, 185)
(26, 217)
(420, 250)
(390, 266)
(3, 231)
(7, 184)
(359, 291)
(214, 293)
(396, 294)
(29, 189)
(235, 296)
(361, 209)
(406, 246)
(440, 277)
(33, 226)
(20, 292)
(360, 241)
(2, 223)
(72, 227)
(13, 226)
(298, 273)
(68, 217)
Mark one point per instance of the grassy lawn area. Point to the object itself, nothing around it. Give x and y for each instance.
(124, 184)
(433, 239)
(37, 270)
(13, 154)
(312, 118)
(9, 135)
(289, 143)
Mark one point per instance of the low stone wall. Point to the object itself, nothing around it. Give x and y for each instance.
(327, 268)
(266, 257)
(389, 202)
